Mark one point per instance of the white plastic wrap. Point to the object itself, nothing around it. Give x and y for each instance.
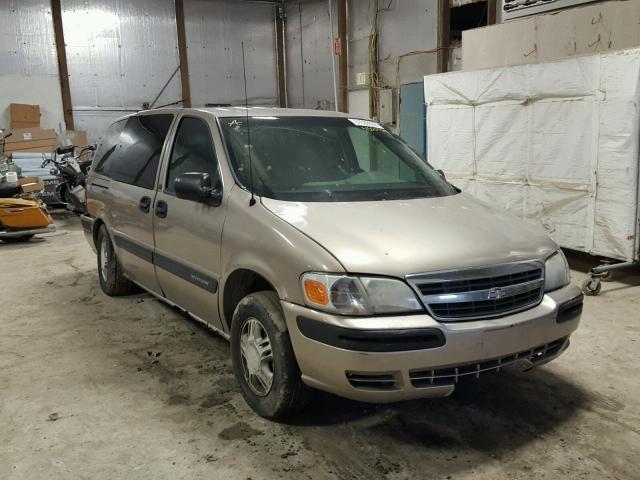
(556, 143)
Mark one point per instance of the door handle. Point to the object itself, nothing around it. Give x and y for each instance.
(145, 204)
(161, 208)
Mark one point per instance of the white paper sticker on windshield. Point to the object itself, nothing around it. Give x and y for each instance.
(366, 123)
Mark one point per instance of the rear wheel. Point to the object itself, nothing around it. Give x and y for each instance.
(263, 360)
(21, 238)
(112, 279)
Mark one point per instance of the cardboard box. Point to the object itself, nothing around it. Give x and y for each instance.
(31, 184)
(24, 116)
(31, 140)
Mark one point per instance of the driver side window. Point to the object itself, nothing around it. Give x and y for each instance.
(192, 152)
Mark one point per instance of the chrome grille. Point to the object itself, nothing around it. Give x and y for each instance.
(458, 286)
(480, 292)
(452, 375)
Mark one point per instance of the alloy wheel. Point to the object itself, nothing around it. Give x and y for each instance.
(257, 357)
(104, 258)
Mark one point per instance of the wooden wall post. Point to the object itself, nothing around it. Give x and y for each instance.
(491, 12)
(280, 55)
(343, 99)
(444, 34)
(63, 71)
(182, 54)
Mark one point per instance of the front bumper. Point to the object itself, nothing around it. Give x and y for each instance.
(387, 359)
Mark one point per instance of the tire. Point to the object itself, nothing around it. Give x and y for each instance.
(607, 276)
(112, 279)
(20, 239)
(287, 394)
(591, 287)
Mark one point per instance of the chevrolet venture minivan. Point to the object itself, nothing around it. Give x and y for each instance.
(326, 250)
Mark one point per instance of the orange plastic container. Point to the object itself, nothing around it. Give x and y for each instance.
(16, 213)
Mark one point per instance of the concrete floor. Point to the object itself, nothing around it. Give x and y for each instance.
(93, 387)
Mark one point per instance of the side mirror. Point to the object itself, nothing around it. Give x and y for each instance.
(197, 188)
(441, 173)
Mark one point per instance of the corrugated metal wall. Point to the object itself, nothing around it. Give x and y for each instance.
(28, 61)
(27, 45)
(309, 51)
(405, 27)
(120, 54)
(215, 32)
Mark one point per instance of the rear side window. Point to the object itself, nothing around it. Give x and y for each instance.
(107, 146)
(135, 159)
(192, 151)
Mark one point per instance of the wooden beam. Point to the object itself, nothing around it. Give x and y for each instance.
(444, 34)
(343, 66)
(63, 71)
(182, 55)
(491, 12)
(280, 55)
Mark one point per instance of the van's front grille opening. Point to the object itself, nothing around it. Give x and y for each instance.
(451, 375)
(483, 292)
(485, 307)
(460, 286)
(373, 381)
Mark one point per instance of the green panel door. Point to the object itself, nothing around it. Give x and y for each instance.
(413, 127)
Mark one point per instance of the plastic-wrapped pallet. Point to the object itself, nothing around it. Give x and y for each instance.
(556, 143)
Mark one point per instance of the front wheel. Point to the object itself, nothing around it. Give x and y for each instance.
(264, 364)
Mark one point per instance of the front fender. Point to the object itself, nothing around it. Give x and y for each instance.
(255, 239)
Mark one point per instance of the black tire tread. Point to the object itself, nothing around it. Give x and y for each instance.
(117, 284)
(294, 393)
(300, 393)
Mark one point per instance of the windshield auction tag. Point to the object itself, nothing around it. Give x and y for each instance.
(366, 123)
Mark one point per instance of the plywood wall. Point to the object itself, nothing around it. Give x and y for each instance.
(595, 28)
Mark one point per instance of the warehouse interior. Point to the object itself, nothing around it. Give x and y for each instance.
(126, 344)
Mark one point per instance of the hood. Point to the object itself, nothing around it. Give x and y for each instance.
(401, 237)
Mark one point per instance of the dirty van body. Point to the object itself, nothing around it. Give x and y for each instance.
(327, 252)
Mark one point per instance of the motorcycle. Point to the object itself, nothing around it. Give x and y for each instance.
(73, 173)
(20, 218)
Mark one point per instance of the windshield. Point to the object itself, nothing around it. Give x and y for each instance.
(323, 159)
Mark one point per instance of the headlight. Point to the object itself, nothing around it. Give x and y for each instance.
(556, 272)
(348, 295)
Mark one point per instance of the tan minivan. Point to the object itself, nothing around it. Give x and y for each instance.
(326, 250)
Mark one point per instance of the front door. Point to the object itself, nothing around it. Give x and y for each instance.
(188, 233)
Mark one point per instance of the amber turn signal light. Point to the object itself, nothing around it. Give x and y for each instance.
(316, 292)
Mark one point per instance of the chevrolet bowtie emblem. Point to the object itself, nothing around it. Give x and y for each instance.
(496, 294)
